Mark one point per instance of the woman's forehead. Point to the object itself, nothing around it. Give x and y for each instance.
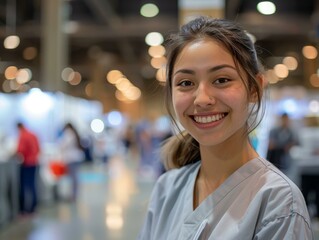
(204, 52)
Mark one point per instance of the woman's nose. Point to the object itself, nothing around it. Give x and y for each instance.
(204, 96)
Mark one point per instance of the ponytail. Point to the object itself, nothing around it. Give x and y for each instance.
(180, 150)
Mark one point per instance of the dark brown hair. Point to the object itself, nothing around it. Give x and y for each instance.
(183, 149)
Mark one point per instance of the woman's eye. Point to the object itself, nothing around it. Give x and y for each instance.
(185, 83)
(222, 80)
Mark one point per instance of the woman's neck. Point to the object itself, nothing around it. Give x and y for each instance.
(217, 164)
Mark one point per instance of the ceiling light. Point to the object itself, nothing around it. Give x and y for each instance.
(11, 72)
(266, 7)
(149, 10)
(97, 125)
(281, 70)
(158, 62)
(154, 39)
(157, 51)
(271, 76)
(23, 75)
(113, 76)
(75, 78)
(309, 52)
(66, 72)
(11, 42)
(290, 62)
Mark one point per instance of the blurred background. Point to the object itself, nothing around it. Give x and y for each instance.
(99, 64)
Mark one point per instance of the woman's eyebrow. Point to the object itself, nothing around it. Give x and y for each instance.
(187, 71)
(218, 67)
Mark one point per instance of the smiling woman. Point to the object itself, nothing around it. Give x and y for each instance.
(220, 188)
(208, 95)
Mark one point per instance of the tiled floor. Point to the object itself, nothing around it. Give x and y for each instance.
(111, 205)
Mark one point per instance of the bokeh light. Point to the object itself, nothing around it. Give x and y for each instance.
(154, 39)
(149, 10)
(11, 42)
(266, 7)
(309, 52)
(97, 125)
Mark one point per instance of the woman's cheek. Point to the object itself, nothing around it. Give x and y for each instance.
(180, 103)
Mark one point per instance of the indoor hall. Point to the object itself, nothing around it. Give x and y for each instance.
(100, 65)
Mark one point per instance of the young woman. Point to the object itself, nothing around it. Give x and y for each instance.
(220, 188)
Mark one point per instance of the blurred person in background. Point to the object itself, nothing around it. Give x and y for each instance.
(150, 135)
(281, 139)
(106, 145)
(143, 135)
(128, 138)
(72, 154)
(28, 150)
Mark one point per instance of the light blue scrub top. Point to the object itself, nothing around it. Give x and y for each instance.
(256, 202)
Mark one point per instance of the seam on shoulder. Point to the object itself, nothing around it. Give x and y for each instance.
(292, 213)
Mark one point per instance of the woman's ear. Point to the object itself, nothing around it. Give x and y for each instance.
(262, 82)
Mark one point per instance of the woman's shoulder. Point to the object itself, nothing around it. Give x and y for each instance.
(278, 191)
(274, 179)
(175, 181)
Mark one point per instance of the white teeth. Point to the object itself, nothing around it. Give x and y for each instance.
(208, 119)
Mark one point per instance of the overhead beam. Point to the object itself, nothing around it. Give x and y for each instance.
(105, 12)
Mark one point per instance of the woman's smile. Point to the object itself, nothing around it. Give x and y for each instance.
(208, 118)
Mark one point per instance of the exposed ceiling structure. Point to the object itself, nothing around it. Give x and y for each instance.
(117, 31)
(294, 25)
(113, 30)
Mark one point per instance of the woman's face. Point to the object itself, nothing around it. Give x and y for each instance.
(209, 97)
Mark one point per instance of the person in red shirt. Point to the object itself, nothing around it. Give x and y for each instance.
(28, 150)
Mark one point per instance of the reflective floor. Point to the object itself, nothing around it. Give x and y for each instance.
(111, 205)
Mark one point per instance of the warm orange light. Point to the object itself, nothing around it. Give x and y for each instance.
(156, 51)
(157, 63)
(281, 70)
(309, 52)
(113, 76)
(11, 72)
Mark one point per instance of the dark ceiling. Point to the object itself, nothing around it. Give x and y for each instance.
(117, 29)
